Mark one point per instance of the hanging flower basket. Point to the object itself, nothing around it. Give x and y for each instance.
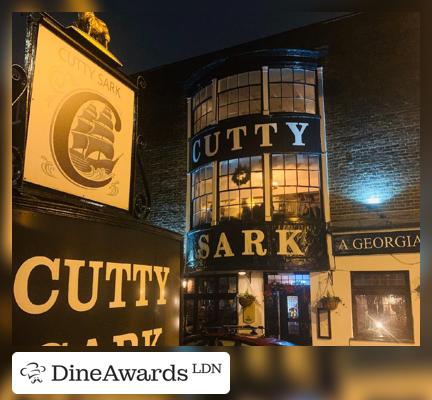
(329, 302)
(246, 299)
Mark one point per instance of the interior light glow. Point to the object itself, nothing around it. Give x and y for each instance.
(184, 283)
(379, 324)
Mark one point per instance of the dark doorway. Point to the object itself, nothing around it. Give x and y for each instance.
(287, 307)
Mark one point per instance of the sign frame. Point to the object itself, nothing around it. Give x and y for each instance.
(93, 54)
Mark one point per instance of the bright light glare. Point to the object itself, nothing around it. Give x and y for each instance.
(379, 324)
(373, 200)
(241, 273)
(184, 283)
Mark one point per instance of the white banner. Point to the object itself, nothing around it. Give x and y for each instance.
(121, 373)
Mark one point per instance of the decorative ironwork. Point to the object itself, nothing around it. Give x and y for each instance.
(17, 165)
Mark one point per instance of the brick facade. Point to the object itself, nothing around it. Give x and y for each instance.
(372, 102)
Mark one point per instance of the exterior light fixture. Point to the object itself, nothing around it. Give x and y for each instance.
(242, 273)
(373, 200)
(184, 283)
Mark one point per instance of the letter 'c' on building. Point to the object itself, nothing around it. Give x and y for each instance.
(20, 288)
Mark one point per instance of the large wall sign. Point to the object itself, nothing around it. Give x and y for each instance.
(257, 135)
(78, 283)
(376, 243)
(266, 246)
(80, 129)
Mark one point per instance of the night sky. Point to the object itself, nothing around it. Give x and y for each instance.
(161, 34)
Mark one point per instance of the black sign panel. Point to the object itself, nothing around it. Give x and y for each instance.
(78, 283)
(266, 246)
(376, 243)
(253, 136)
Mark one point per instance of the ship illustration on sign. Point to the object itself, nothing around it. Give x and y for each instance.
(92, 145)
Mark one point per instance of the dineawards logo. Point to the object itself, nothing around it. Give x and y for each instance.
(33, 371)
(120, 373)
(83, 138)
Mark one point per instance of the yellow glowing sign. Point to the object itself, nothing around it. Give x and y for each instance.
(80, 130)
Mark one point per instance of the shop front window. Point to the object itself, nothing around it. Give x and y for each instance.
(202, 207)
(292, 90)
(241, 189)
(210, 301)
(381, 306)
(239, 94)
(296, 186)
(202, 107)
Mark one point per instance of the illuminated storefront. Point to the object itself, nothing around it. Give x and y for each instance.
(258, 215)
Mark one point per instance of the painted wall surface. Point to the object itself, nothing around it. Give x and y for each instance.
(341, 318)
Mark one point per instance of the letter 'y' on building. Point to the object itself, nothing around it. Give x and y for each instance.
(298, 133)
(287, 244)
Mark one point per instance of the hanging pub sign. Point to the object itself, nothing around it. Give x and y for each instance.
(80, 127)
(79, 283)
(268, 246)
(407, 241)
(258, 135)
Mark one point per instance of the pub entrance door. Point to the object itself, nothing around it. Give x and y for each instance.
(287, 307)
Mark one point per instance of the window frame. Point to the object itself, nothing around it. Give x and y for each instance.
(321, 202)
(196, 297)
(192, 198)
(376, 290)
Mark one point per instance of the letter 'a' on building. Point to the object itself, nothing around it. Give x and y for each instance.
(258, 214)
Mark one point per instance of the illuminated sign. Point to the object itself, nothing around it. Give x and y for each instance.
(255, 136)
(377, 243)
(72, 287)
(266, 246)
(80, 129)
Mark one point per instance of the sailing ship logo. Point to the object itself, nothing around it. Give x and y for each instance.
(83, 139)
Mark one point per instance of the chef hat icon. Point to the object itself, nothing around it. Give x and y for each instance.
(33, 370)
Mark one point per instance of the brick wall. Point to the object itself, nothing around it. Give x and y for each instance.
(372, 100)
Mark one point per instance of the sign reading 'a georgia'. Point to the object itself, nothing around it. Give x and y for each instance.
(262, 246)
(80, 130)
(377, 243)
(255, 135)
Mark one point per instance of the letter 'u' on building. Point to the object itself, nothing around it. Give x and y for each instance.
(20, 288)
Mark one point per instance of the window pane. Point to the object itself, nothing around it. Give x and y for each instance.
(310, 77)
(232, 81)
(275, 105)
(223, 168)
(256, 178)
(290, 177)
(223, 183)
(287, 90)
(254, 77)
(232, 184)
(302, 161)
(255, 92)
(234, 212)
(233, 110)
(233, 164)
(290, 161)
(274, 75)
(255, 106)
(314, 178)
(303, 179)
(275, 90)
(232, 96)
(223, 112)
(277, 161)
(243, 79)
(287, 74)
(287, 105)
(298, 75)
(278, 178)
(223, 99)
(244, 93)
(244, 107)
(222, 84)
(310, 92)
(223, 198)
(298, 91)
(256, 163)
(310, 106)
(299, 105)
